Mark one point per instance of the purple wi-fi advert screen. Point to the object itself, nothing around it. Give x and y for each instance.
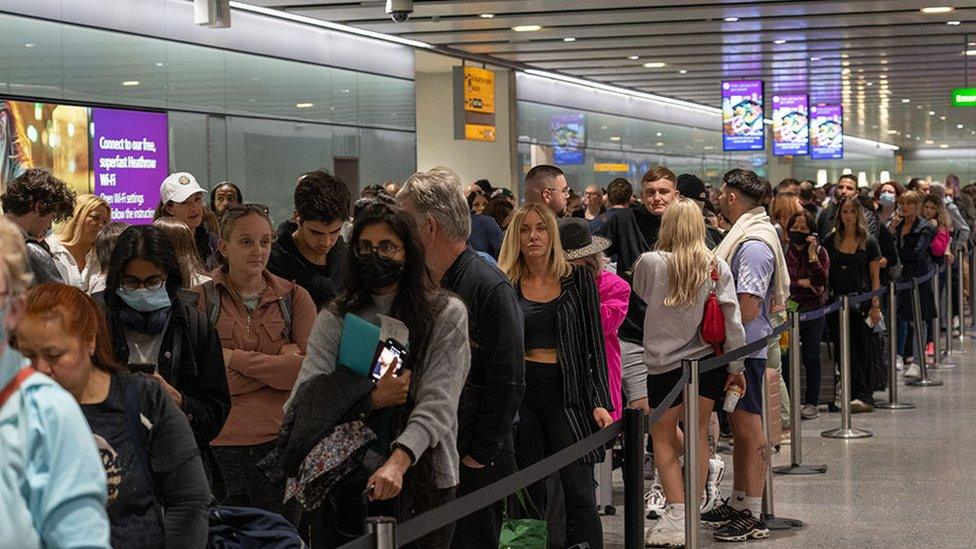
(130, 158)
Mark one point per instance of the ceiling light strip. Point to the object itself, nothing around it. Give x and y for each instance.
(329, 25)
(671, 102)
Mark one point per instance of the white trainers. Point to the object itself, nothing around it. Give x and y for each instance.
(713, 492)
(810, 411)
(654, 501)
(899, 363)
(670, 530)
(913, 371)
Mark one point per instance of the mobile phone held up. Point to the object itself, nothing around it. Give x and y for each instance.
(391, 355)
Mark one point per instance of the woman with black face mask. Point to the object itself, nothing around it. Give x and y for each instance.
(809, 265)
(413, 413)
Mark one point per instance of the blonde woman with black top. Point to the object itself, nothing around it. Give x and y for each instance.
(566, 394)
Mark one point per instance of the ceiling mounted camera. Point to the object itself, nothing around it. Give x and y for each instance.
(399, 10)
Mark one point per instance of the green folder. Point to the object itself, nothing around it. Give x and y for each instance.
(357, 348)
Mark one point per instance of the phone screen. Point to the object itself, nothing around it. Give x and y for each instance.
(391, 356)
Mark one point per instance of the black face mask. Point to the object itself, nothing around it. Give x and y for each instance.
(378, 271)
(798, 239)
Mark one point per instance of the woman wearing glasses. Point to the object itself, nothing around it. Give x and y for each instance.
(156, 331)
(566, 389)
(414, 414)
(263, 322)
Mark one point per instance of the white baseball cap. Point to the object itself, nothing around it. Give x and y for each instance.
(179, 186)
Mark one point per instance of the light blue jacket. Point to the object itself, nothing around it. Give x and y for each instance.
(52, 483)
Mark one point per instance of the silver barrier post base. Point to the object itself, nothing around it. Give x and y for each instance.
(800, 469)
(840, 432)
(924, 382)
(885, 405)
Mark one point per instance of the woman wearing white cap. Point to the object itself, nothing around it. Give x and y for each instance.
(180, 196)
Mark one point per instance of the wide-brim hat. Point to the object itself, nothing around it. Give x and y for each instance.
(574, 234)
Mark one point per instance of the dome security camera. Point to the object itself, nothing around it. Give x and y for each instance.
(399, 10)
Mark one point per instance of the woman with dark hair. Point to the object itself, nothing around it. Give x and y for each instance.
(263, 322)
(914, 235)
(567, 396)
(414, 413)
(809, 265)
(157, 489)
(477, 202)
(223, 196)
(855, 267)
(156, 329)
(886, 197)
(500, 208)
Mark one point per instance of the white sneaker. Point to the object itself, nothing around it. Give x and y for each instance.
(810, 411)
(913, 371)
(713, 492)
(654, 501)
(899, 363)
(669, 531)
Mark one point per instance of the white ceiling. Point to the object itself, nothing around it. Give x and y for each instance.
(869, 55)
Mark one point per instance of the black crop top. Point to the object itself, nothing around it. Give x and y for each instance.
(540, 323)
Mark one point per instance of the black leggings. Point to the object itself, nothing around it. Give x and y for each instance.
(543, 430)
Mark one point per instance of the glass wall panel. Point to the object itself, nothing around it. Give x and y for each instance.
(386, 155)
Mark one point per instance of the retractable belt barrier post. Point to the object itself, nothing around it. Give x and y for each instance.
(940, 315)
(633, 473)
(945, 313)
(692, 508)
(768, 508)
(960, 298)
(972, 287)
(892, 403)
(845, 430)
(796, 433)
(924, 380)
(384, 528)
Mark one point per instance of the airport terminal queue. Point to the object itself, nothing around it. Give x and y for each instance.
(183, 383)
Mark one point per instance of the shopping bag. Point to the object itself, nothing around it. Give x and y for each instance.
(523, 533)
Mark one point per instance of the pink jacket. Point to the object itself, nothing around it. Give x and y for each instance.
(940, 243)
(614, 297)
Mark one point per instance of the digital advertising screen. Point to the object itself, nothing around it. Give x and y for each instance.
(742, 115)
(567, 134)
(44, 135)
(791, 128)
(129, 159)
(120, 155)
(826, 132)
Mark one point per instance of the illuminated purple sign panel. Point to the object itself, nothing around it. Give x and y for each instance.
(742, 115)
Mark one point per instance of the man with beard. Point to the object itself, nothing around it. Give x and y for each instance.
(846, 188)
(547, 185)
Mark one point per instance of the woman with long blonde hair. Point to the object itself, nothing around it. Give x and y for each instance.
(566, 389)
(675, 281)
(73, 245)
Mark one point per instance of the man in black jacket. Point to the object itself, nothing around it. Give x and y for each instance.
(846, 188)
(33, 201)
(496, 380)
(308, 249)
(632, 232)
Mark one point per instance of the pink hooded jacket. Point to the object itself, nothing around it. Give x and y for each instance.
(614, 295)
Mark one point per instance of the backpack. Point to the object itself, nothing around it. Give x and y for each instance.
(230, 527)
(212, 302)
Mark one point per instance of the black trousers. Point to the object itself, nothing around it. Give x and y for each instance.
(245, 483)
(543, 430)
(482, 528)
(861, 366)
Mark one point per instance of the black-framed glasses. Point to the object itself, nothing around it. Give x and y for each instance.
(386, 249)
(131, 283)
(566, 190)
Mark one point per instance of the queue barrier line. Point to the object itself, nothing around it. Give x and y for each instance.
(397, 535)
(457, 509)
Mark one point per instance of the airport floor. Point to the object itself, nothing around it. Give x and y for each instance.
(913, 484)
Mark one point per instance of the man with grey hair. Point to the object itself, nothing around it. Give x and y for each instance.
(496, 380)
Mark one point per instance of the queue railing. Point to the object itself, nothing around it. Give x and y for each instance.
(386, 533)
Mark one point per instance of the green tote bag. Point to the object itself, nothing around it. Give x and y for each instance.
(523, 533)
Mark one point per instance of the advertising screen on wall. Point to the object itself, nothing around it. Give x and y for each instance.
(791, 128)
(742, 115)
(826, 132)
(129, 159)
(44, 135)
(567, 134)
